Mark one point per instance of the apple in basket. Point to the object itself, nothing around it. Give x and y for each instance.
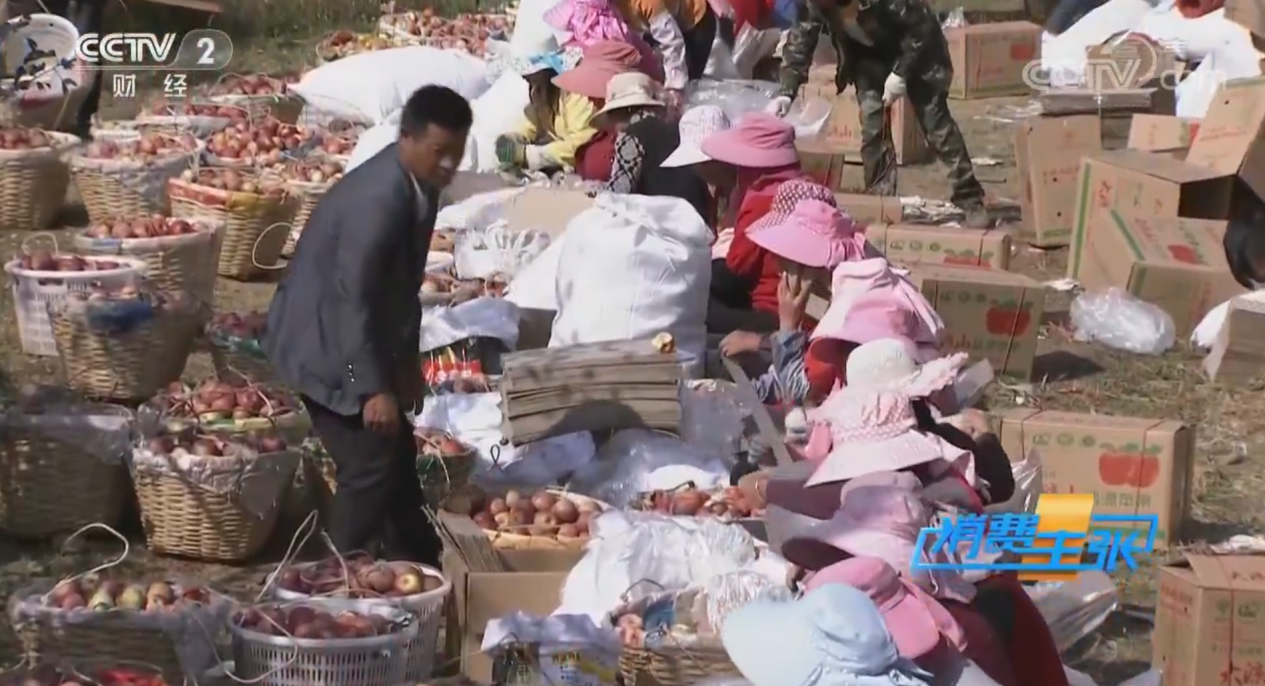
(253, 84)
(265, 142)
(111, 676)
(248, 326)
(106, 594)
(540, 514)
(23, 139)
(164, 108)
(308, 622)
(311, 171)
(235, 181)
(45, 261)
(437, 443)
(216, 401)
(146, 148)
(153, 226)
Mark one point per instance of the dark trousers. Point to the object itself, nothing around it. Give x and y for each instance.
(698, 42)
(379, 496)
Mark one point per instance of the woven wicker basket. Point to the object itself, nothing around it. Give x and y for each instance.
(255, 226)
(121, 188)
(39, 466)
(285, 107)
(308, 194)
(125, 366)
(674, 666)
(172, 263)
(108, 639)
(185, 518)
(33, 184)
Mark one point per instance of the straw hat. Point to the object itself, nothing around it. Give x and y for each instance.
(631, 89)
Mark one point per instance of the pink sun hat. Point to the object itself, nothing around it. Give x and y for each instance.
(875, 430)
(880, 515)
(601, 62)
(758, 141)
(917, 622)
(855, 279)
(803, 225)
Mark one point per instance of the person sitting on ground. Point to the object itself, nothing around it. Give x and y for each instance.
(585, 23)
(600, 63)
(750, 161)
(696, 124)
(633, 109)
(555, 123)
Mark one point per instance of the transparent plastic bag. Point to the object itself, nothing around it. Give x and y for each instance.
(634, 461)
(725, 593)
(1028, 485)
(712, 414)
(104, 431)
(737, 98)
(955, 19)
(1075, 609)
(1121, 321)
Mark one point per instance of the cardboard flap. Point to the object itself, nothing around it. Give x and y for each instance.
(1160, 166)
(1233, 572)
(1184, 242)
(1092, 421)
(975, 275)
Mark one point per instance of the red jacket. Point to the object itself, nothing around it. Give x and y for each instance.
(748, 260)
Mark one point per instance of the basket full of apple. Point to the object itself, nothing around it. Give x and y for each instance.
(179, 254)
(33, 177)
(262, 95)
(127, 176)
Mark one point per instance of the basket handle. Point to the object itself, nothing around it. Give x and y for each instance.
(127, 548)
(254, 249)
(39, 234)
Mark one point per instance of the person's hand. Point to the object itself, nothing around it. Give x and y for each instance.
(739, 342)
(792, 298)
(893, 88)
(779, 106)
(674, 101)
(511, 152)
(381, 414)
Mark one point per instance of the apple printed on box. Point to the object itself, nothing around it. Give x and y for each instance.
(992, 315)
(1131, 465)
(911, 244)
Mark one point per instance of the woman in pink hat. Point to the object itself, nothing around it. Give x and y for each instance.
(942, 637)
(588, 22)
(600, 63)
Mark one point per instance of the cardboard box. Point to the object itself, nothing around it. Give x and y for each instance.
(1209, 627)
(1250, 14)
(1174, 263)
(1238, 353)
(1048, 153)
(871, 209)
(824, 162)
(911, 244)
(1130, 465)
(990, 60)
(1231, 139)
(843, 128)
(533, 585)
(992, 315)
(545, 209)
(1127, 60)
(1143, 183)
(1157, 132)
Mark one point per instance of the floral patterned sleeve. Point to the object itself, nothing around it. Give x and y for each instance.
(626, 165)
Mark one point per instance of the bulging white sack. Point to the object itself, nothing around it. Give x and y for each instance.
(372, 142)
(369, 86)
(496, 112)
(634, 266)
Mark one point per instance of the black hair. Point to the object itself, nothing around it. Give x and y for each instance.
(1244, 239)
(437, 105)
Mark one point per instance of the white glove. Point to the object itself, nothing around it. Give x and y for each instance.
(893, 88)
(779, 106)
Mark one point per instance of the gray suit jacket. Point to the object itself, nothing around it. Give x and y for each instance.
(344, 324)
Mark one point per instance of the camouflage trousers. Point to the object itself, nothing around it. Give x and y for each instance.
(931, 108)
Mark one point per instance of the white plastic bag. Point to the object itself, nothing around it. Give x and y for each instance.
(1075, 609)
(496, 112)
(633, 267)
(369, 86)
(1209, 327)
(483, 317)
(1121, 321)
(372, 142)
(738, 98)
(496, 250)
(535, 286)
(635, 461)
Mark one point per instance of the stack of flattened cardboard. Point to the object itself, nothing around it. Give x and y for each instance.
(590, 387)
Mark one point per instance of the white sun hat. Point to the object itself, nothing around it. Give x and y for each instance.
(696, 124)
(891, 364)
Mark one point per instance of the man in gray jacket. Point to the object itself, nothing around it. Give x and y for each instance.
(343, 327)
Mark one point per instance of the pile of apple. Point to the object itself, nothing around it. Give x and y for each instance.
(539, 514)
(24, 139)
(217, 401)
(313, 622)
(363, 577)
(253, 84)
(164, 108)
(112, 676)
(146, 148)
(234, 181)
(101, 595)
(185, 443)
(435, 283)
(153, 226)
(340, 44)
(311, 171)
(465, 32)
(689, 501)
(265, 143)
(45, 261)
(249, 326)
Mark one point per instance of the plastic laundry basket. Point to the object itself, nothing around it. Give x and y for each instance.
(34, 291)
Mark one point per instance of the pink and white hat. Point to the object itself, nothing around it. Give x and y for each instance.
(880, 515)
(805, 226)
(696, 124)
(917, 622)
(875, 431)
(758, 141)
(891, 364)
(853, 280)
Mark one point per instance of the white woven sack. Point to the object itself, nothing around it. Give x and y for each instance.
(634, 266)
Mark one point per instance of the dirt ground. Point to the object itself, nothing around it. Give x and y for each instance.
(1071, 376)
